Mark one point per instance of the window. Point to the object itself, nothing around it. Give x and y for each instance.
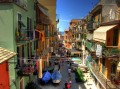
(103, 65)
(19, 20)
(115, 37)
(23, 51)
(34, 5)
(22, 54)
(113, 68)
(28, 50)
(18, 56)
(29, 28)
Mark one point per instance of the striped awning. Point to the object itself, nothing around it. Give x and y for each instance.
(101, 33)
(5, 54)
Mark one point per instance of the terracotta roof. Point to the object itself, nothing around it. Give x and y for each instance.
(5, 54)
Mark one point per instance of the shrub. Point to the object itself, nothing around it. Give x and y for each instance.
(79, 75)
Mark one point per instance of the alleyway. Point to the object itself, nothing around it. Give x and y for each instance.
(74, 85)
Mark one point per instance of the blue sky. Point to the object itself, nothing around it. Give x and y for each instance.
(72, 9)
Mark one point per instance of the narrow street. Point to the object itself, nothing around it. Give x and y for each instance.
(65, 77)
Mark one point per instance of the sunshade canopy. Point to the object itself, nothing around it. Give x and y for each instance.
(101, 33)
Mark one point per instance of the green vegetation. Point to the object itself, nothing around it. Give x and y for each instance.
(79, 75)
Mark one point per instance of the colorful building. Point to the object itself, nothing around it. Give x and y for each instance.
(45, 31)
(104, 44)
(18, 33)
(5, 55)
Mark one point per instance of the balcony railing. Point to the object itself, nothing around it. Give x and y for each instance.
(95, 25)
(90, 26)
(25, 35)
(21, 3)
(43, 20)
(25, 70)
(112, 16)
(105, 82)
(111, 52)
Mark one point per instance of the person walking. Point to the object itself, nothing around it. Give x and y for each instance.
(69, 71)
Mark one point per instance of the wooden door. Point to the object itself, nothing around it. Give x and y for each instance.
(4, 76)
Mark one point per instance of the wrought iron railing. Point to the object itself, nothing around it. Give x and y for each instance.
(112, 16)
(95, 25)
(106, 83)
(44, 20)
(111, 52)
(25, 35)
(25, 70)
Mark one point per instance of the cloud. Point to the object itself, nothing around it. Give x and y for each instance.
(64, 20)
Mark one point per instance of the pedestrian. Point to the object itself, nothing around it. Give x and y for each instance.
(70, 81)
(58, 66)
(66, 85)
(69, 71)
(68, 65)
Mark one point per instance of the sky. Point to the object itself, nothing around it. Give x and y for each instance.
(72, 9)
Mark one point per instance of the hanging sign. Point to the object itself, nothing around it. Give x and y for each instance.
(99, 51)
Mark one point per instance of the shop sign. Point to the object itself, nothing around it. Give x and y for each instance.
(99, 51)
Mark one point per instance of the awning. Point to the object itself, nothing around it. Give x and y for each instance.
(44, 10)
(118, 67)
(101, 32)
(5, 54)
(73, 51)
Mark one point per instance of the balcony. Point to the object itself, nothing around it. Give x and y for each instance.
(95, 25)
(21, 3)
(111, 52)
(90, 26)
(88, 45)
(28, 66)
(43, 20)
(24, 35)
(47, 33)
(25, 70)
(112, 16)
(105, 82)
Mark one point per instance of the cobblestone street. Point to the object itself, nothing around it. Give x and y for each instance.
(65, 77)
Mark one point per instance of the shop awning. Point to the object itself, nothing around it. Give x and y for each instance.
(101, 32)
(118, 67)
(5, 54)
